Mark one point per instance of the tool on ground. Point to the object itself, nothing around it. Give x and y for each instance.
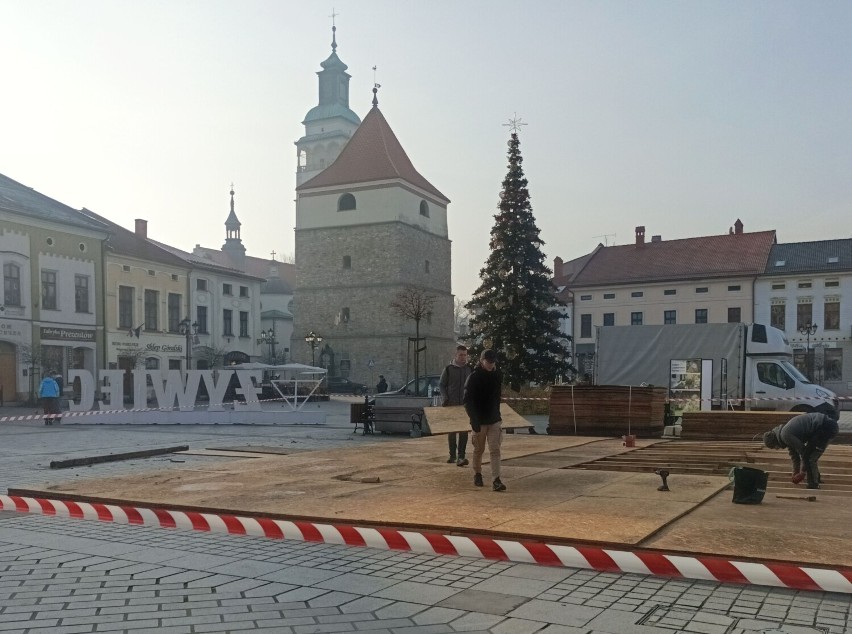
(663, 474)
(806, 498)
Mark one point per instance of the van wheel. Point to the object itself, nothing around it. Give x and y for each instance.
(802, 408)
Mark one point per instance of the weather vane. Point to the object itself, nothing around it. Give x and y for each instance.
(332, 16)
(515, 124)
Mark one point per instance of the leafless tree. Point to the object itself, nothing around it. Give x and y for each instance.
(460, 317)
(33, 357)
(214, 357)
(415, 304)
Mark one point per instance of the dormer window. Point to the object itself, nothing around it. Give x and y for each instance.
(780, 262)
(346, 203)
(424, 208)
(833, 259)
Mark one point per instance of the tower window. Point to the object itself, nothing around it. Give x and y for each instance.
(346, 203)
(426, 266)
(347, 261)
(424, 208)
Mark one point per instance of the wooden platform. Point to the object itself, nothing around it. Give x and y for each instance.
(561, 489)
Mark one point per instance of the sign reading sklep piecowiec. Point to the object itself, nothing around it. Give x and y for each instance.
(169, 392)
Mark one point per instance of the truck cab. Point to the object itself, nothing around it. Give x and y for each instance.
(773, 383)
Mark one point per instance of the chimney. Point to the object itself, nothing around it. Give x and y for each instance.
(557, 266)
(656, 238)
(640, 236)
(738, 226)
(142, 228)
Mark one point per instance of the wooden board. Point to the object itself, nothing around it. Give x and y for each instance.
(607, 410)
(453, 419)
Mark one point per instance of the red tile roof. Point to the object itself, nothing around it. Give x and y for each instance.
(372, 154)
(690, 258)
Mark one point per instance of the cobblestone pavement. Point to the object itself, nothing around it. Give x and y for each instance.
(62, 576)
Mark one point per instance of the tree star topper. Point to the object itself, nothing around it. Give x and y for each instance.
(515, 123)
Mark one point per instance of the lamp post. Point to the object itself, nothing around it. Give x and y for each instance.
(313, 340)
(808, 330)
(188, 330)
(268, 336)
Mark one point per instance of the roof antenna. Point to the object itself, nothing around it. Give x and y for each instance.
(333, 31)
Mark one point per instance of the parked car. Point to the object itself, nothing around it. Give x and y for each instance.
(340, 385)
(427, 381)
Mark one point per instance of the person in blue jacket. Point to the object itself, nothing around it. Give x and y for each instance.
(48, 392)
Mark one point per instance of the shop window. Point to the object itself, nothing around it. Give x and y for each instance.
(700, 315)
(833, 364)
(636, 319)
(669, 317)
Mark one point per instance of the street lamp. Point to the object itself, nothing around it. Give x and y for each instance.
(808, 330)
(188, 330)
(268, 336)
(313, 340)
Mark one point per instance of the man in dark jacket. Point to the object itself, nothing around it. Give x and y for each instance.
(452, 383)
(805, 437)
(482, 404)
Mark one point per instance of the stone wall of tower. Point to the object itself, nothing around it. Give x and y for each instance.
(362, 268)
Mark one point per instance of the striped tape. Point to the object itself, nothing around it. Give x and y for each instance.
(643, 562)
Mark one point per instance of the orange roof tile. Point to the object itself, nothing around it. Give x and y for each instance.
(372, 154)
(689, 258)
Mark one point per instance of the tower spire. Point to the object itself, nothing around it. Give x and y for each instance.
(333, 31)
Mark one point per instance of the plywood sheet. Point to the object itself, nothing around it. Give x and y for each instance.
(781, 529)
(453, 419)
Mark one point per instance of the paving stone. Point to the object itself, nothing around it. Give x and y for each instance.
(555, 612)
(428, 594)
(518, 626)
(473, 600)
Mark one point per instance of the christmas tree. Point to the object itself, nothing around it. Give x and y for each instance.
(515, 310)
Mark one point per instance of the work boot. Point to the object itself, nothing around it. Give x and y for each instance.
(499, 486)
(462, 462)
(451, 460)
(477, 479)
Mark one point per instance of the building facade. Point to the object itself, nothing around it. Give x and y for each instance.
(51, 316)
(709, 279)
(805, 291)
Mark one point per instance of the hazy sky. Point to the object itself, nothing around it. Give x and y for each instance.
(680, 116)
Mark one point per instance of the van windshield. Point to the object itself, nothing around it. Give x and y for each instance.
(794, 372)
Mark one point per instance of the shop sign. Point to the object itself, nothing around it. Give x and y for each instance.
(67, 334)
(8, 329)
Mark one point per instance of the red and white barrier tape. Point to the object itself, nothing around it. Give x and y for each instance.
(644, 562)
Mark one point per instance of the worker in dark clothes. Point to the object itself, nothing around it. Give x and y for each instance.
(805, 437)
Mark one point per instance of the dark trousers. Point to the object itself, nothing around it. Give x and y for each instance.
(462, 444)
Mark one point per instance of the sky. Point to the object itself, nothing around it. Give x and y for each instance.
(679, 116)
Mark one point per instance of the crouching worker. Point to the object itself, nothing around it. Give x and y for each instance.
(805, 437)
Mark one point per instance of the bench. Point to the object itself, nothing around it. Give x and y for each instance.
(399, 420)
